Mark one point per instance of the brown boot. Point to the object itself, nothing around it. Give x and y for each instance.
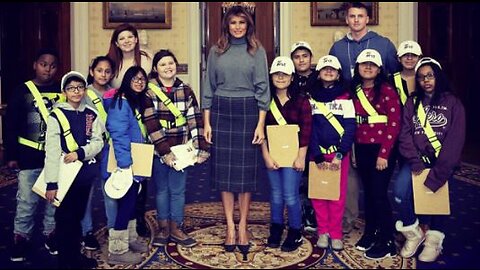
(178, 236)
(162, 237)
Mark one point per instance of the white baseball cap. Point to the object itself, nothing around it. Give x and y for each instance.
(370, 55)
(328, 61)
(119, 182)
(409, 46)
(426, 60)
(70, 75)
(282, 64)
(301, 45)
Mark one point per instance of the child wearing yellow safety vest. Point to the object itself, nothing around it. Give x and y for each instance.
(332, 138)
(287, 107)
(432, 137)
(73, 130)
(25, 130)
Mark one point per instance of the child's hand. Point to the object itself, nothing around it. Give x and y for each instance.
(271, 164)
(70, 157)
(50, 195)
(335, 165)
(323, 165)
(299, 164)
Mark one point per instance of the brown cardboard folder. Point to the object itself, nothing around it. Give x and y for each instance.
(323, 184)
(283, 143)
(426, 201)
(142, 156)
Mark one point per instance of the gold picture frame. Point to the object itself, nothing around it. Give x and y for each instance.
(142, 15)
(333, 13)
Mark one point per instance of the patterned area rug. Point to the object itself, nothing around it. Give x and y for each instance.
(205, 222)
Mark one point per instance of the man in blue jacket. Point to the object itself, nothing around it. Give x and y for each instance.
(360, 38)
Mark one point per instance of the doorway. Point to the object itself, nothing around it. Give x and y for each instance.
(24, 29)
(448, 32)
(266, 26)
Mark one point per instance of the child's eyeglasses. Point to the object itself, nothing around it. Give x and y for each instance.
(138, 79)
(427, 77)
(72, 89)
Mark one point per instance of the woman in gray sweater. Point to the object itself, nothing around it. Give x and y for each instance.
(235, 100)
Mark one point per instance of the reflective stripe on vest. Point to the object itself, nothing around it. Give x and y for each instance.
(138, 116)
(331, 149)
(373, 117)
(397, 78)
(97, 102)
(333, 121)
(44, 112)
(180, 120)
(67, 133)
(432, 137)
(32, 144)
(277, 114)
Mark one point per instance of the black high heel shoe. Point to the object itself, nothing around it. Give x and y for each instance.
(244, 250)
(229, 248)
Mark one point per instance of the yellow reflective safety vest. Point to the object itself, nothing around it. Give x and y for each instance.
(432, 137)
(373, 116)
(102, 113)
(180, 120)
(333, 121)
(44, 112)
(67, 133)
(277, 114)
(397, 79)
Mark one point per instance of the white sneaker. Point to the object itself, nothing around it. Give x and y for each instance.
(323, 240)
(337, 244)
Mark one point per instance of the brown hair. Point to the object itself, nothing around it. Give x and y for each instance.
(223, 42)
(116, 54)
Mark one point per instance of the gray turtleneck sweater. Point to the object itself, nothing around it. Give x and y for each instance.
(236, 73)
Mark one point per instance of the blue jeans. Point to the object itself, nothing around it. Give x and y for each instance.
(27, 202)
(403, 195)
(284, 185)
(110, 209)
(170, 191)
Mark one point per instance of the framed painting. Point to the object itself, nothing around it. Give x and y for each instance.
(142, 15)
(334, 13)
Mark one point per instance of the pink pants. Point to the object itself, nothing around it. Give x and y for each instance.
(329, 213)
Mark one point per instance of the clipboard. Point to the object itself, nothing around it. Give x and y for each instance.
(283, 143)
(323, 184)
(66, 175)
(427, 202)
(142, 157)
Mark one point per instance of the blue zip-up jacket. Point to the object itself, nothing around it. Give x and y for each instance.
(123, 128)
(324, 134)
(347, 50)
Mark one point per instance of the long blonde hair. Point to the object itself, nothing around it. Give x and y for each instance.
(223, 42)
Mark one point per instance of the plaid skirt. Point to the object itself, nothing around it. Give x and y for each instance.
(234, 159)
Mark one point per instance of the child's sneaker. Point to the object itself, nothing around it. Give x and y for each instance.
(337, 244)
(51, 244)
(90, 242)
(322, 240)
(19, 249)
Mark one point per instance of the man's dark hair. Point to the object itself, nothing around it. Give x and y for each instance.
(358, 5)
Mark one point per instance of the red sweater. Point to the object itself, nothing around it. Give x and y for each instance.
(384, 134)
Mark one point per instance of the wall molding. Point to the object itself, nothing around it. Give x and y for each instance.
(407, 21)
(79, 38)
